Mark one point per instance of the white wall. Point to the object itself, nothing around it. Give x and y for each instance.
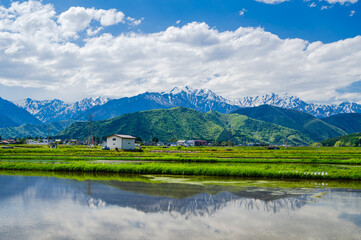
(114, 144)
(128, 144)
(120, 143)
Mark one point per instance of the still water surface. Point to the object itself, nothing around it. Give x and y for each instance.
(33, 207)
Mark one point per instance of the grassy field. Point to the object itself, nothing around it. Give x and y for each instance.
(259, 162)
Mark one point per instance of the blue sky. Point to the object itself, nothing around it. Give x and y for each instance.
(235, 48)
(290, 19)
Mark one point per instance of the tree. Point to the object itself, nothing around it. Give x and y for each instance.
(155, 139)
(97, 140)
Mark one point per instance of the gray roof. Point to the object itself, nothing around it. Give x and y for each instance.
(122, 136)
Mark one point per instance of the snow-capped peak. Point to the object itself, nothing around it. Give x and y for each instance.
(178, 90)
(200, 99)
(55, 110)
(204, 93)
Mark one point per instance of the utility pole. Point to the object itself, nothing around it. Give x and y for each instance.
(90, 133)
(229, 137)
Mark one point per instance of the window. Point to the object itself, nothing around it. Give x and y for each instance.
(114, 139)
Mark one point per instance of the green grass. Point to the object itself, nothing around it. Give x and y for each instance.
(300, 163)
(309, 155)
(232, 170)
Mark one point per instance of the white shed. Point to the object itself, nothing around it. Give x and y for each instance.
(119, 141)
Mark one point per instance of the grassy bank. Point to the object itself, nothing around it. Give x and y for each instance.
(193, 180)
(231, 170)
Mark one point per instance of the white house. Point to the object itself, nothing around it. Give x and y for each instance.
(119, 141)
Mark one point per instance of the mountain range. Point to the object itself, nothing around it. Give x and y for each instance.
(13, 116)
(202, 100)
(56, 110)
(308, 120)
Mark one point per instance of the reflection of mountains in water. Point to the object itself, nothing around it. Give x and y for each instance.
(198, 200)
(177, 199)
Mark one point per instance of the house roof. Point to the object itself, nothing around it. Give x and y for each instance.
(122, 136)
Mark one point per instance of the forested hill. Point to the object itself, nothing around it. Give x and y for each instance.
(350, 140)
(349, 122)
(35, 130)
(183, 123)
(309, 125)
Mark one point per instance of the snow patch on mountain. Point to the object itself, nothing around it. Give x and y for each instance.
(292, 102)
(199, 96)
(203, 100)
(57, 110)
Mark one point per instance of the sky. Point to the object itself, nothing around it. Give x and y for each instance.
(71, 49)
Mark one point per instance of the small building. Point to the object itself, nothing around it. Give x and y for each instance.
(37, 142)
(197, 143)
(187, 143)
(8, 141)
(120, 141)
(182, 143)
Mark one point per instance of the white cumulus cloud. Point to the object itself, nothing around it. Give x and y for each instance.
(36, 51)
(272, 1)
(76, 19)
(342, 2)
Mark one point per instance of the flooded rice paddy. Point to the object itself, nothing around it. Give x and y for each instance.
(35, 206)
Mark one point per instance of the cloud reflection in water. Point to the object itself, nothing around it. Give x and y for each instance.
(53, 208)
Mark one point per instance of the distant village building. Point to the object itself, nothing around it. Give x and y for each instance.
(182, 143)
(37, 142)
(159, 144)
(8, 141)
(119, 141)
(197, 143)
(186, 143)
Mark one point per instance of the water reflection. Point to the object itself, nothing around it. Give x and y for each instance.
(49, 208)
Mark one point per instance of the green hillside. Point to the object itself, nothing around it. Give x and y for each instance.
(183, 123)
(310, 126)
(348, 122)
(6, 122)
(34, 130)
(351, 140)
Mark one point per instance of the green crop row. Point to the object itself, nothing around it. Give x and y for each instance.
(199, 159)
(301, 171)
